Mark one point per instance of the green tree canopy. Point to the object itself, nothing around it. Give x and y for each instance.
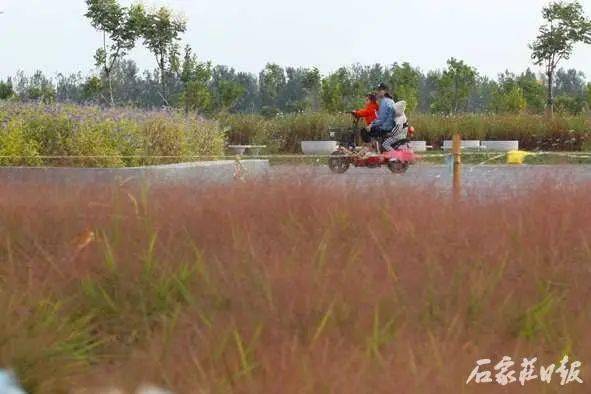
(38, 87)
(161, 31)
(566, 25)
(406, 81)
(312, 85)
(570, 82)
(333, 91)
(195, 77)
(91, 89)
(6, 90)
(454, 86)
(120, 27)
(508, 95)
(533, 91)
(272, 83)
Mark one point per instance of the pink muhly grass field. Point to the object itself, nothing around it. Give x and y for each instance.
(290, 288)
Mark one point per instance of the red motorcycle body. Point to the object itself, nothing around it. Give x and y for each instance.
(402, 155)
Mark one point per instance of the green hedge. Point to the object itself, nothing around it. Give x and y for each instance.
(30, 131)
(533, 132)
(284, 133)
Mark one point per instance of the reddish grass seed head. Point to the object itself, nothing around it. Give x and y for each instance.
(255, 287)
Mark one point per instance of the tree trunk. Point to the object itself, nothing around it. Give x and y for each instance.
(107, 70)
(163, 79)
(111, 88)
(186, 98)
(455, 97)
(550, 103)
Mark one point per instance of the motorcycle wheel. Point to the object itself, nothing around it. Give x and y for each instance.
(338, 163)
(397, 167)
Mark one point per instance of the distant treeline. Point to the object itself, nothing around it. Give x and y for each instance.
(458, 88)
(181, 80)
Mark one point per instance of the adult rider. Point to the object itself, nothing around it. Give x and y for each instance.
(384, 124)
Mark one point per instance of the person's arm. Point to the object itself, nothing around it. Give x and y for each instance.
(382, 113)
(362, 113)
(387, 114)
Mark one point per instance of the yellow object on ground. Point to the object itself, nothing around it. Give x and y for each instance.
(516, 156)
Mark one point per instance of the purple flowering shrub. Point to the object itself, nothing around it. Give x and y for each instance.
(71, 135)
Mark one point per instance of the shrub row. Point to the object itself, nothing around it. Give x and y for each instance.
(28, 132)
(533, 132)
(284, 133)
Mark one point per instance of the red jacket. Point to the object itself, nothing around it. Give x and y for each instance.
(369, 113)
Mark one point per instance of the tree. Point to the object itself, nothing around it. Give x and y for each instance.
(312, 85)
(127, 83)
(569, 82)
(362, 80)
(332, 95)
(428, 90)
(513, 100)
(229, 93)
(454, 87)
(69, 88)
(195, 76)
(302, 89)
(294, 97)
(376, 74)
(533, 91)
(565, 26)
(91, 89)
(570, 91)
(482, 95)
(572, 105)
(272, 84)
(250, 101)
(343, 90)
(161, 31)
(121, 25)
(335, 88)
(405, 81)
(36, 88)
(507, 95)
(6, 90)
(233, 91)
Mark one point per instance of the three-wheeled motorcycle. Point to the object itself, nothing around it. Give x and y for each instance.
(349, 153)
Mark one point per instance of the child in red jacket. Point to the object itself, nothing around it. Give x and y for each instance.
(370, 112)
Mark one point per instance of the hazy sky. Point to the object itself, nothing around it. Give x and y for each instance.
(53, 35)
